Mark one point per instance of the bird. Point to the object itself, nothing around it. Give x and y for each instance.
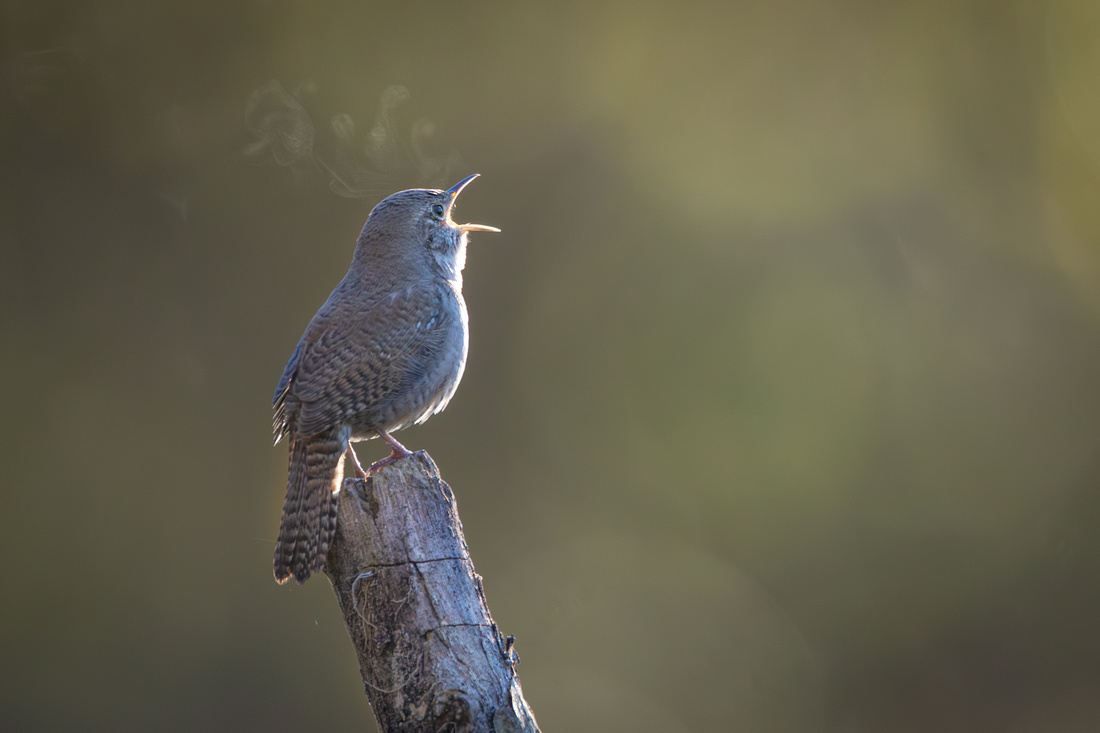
(385, 351)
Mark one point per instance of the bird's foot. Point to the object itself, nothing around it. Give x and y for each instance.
(398, 451)
(385, 461)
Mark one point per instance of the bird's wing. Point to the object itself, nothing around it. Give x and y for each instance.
(279, 423)
(348, 364)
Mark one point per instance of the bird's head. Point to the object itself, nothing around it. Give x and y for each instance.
(415, 225)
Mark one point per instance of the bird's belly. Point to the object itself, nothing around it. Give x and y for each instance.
(414, 400)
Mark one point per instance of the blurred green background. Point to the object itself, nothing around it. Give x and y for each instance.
(782, 410)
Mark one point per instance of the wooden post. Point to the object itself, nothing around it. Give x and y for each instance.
(430, 655)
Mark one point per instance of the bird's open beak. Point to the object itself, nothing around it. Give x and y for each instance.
(457, 189)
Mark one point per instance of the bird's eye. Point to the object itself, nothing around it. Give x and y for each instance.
(437, 211)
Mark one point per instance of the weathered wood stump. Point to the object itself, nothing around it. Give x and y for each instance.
(430, 655)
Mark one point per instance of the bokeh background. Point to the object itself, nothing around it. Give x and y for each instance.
(782, 410)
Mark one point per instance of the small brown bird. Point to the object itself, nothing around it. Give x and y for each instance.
(385, 351)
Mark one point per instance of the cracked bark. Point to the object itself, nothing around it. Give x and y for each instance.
(430, 655)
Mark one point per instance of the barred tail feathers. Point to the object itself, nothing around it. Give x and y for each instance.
(309, 511)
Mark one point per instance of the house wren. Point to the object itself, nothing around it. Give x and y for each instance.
(385, 351)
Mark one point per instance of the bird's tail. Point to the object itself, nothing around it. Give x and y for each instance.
(309, 511)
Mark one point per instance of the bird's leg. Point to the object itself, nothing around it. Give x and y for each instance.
(398, 451)
(359, 472)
